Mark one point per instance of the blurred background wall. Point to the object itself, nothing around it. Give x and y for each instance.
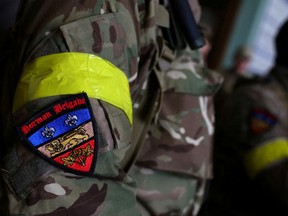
(243, 22)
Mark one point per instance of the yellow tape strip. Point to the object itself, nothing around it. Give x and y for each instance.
(72, 73)
(265, 155)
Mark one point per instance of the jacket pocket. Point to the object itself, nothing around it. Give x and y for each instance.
(111, 36)
(181, 139)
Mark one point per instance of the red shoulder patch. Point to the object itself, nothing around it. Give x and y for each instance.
(64, 134)
(261, 120)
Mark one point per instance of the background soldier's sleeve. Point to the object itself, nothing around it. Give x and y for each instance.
(62, 165)
(255, 128)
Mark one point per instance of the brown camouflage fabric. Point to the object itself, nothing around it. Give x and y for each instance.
(178, 145)
(173, 116)
(234, 191)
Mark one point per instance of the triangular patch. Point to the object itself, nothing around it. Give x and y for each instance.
(261, 121)
(64, 134)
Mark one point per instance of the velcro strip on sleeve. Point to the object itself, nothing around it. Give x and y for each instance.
(73, 73)
(265, 155)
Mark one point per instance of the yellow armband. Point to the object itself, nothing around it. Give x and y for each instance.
(73, 73)
(265, 155)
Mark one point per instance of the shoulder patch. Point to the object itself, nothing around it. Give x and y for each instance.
(64, 134)
(261, 120)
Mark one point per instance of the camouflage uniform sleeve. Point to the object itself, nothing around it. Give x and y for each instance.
(255, 130)
(47, 29)
(175, 160)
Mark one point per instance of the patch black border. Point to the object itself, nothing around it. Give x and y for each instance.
(50, 160)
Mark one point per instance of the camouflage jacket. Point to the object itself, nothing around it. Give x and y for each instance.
(124, 33)
(251, 150)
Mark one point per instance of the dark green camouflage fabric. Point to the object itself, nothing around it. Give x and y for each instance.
(173, 116)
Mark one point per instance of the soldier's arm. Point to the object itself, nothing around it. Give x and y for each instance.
(65, 48)
(258, 132)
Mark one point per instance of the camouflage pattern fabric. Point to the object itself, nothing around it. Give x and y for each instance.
(254, 118)
(124, 33)
(175, 161)
(111, 30)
